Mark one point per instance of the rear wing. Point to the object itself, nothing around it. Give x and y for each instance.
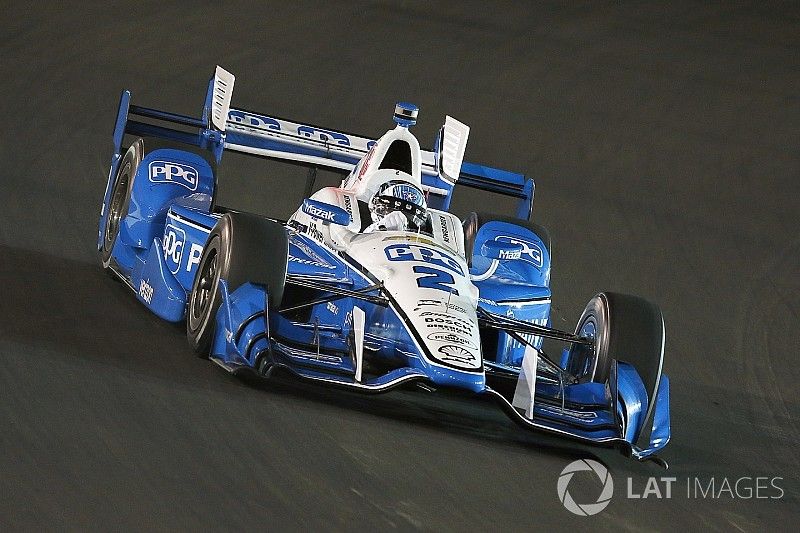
(282, 139)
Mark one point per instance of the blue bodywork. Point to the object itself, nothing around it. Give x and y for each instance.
(171, 214)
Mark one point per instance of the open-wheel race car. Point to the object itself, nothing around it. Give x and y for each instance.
(373, 284)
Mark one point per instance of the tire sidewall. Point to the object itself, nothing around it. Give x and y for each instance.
(200, 328)
(594, 319)
(127, 169)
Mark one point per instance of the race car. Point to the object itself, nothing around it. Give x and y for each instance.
(373, 284)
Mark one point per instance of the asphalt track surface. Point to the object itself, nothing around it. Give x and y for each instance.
(663, 141)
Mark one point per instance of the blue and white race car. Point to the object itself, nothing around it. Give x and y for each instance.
(372, 284)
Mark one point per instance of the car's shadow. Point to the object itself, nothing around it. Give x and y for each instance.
(68, 308)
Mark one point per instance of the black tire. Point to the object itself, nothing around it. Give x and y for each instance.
(120, 198)
(473, 222)
(625, 328)
(241, 248)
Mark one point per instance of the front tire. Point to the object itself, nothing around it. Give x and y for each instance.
(624, 328)
(241, 248)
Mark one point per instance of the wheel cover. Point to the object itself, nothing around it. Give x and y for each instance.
(203, 293)
(207, 282)
(594, 323)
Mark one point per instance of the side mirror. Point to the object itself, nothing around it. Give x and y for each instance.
(501, 250)
(327, 213)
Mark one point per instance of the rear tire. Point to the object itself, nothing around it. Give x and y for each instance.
(626, 328)
(241, 248)
(119, 201)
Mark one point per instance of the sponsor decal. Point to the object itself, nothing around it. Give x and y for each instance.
(571, 413)
(195, 253)
(333, 308)
(531, 252)
(487, 301)
(314, 233)
(365, 164)
(175, 173)
(308, 262)
(433, 324)
(411, 238)
(314, 258)
(317, 212)
(251, 120)
(445, 232)
(463, 321)
(457, 355)
(174, 237)
(447, 324)
(348, 205)
(146, 291)
(452, 338)
(438, 303)
(510, 254)
(325, 136)
(414, 252)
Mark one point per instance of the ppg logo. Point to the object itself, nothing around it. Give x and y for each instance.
(412, 252)
(253, 121)
(177, 173)
(174, 238)
(325, 136)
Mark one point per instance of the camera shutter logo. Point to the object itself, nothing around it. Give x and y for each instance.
(585, 509)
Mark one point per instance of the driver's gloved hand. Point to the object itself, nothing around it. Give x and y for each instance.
(394, 221)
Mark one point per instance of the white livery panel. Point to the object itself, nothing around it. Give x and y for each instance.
(432, 288)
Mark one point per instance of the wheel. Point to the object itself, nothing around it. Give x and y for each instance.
(241, 248)
(473, 222)
(624, 327)
(120, 199)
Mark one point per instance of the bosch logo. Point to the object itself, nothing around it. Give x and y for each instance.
(176, 173)
(174, 237)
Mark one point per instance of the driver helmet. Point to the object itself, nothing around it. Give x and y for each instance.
(402, 196)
